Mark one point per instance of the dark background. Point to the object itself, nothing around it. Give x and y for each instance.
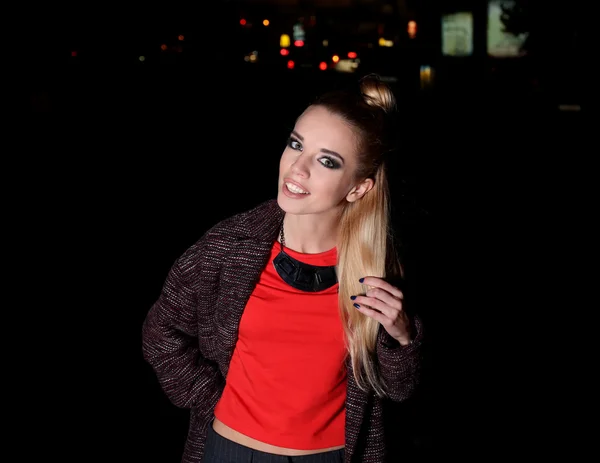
(122, 165)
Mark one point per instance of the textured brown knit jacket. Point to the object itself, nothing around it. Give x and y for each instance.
(191, 331)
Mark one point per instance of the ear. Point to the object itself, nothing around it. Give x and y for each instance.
(359, 190)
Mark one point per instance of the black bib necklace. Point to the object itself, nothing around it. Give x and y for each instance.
(305, 277)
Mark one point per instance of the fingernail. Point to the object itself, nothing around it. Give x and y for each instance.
(361, 280)
(357, 306)
(352, 297)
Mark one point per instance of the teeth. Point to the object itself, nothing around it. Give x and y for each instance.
(294, 189)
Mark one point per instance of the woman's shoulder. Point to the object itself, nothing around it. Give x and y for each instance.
(250, 223)
(260, 222)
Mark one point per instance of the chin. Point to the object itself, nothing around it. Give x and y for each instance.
(288, 205)
(283, 201)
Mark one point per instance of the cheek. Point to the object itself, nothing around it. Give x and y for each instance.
(336, 189)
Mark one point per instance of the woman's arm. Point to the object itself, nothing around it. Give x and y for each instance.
(170, 345)
(400, 365)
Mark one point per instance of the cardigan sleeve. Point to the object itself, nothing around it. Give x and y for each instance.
(170, 345)
(400, 366)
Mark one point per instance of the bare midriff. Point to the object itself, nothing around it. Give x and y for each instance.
(225, 431)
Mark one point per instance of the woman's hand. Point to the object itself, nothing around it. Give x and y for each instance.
(383, 302)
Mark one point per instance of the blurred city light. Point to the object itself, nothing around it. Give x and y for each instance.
(298, 32)
(412, 29)
(426, 76)
(284, 40)
(347, 65)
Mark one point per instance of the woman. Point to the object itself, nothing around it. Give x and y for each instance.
(294, 304)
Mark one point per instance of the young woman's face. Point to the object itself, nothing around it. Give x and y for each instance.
(317, 167)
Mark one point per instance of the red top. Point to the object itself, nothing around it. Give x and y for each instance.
(286, 384)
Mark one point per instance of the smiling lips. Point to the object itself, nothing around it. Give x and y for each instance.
(294, 189)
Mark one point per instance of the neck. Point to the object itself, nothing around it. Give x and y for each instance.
(309, 236)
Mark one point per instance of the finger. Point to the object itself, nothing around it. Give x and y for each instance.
(381, 283)
(391, 307)
(381, 318)
(385, 297)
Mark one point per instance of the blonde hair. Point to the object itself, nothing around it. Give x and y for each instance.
(366, 242)
(377, 94)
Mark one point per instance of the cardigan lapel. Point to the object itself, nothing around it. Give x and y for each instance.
(243, 263)
(239, 276)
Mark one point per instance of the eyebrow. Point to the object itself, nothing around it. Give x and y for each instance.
(324, 150)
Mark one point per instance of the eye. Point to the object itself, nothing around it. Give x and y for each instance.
(294, 144)
(329, 163)
(326, 162)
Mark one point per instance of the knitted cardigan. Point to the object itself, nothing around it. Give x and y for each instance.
(190, 332)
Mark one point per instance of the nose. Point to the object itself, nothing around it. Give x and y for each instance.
(300, 165)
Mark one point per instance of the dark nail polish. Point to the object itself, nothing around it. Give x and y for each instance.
(361, 280)
(357, 306)
(352, 297)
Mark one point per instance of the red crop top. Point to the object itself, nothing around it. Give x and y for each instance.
(286, 384)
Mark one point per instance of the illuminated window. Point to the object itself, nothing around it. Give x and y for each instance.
(457, 34)
(502, 44)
